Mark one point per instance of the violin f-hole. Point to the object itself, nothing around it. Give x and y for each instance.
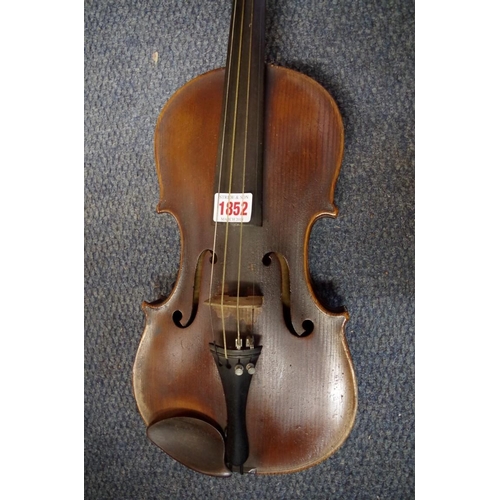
(307, 325)
(177, 315)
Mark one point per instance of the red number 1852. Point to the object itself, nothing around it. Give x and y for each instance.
(233, 208)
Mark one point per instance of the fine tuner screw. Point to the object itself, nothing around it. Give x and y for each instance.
(238, 369)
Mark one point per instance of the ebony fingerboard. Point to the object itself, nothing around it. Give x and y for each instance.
(239, 166)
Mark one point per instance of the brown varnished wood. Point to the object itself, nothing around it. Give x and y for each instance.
(303, 396)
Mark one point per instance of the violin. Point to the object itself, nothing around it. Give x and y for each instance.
(241, 369)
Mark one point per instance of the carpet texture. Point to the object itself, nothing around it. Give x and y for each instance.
(362, 52)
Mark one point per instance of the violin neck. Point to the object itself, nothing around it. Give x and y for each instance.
(240, 143)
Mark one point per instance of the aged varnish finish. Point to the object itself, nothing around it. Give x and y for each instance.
(241, 368)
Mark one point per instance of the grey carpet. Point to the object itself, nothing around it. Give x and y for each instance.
(362, 52)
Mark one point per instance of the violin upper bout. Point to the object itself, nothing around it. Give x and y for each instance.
(304, 144)
(186, 140)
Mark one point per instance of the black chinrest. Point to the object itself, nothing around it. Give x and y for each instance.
(191, 441)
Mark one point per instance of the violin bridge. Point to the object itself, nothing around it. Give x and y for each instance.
(243, 308)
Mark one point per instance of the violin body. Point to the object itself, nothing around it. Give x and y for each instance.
(300, 405)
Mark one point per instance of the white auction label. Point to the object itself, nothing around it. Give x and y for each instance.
(232, 207)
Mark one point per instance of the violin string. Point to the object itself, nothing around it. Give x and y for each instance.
(256, 175)
(226, 100)
(226, 237)
(244, 174)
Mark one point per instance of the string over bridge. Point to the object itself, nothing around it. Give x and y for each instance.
(243, 308)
